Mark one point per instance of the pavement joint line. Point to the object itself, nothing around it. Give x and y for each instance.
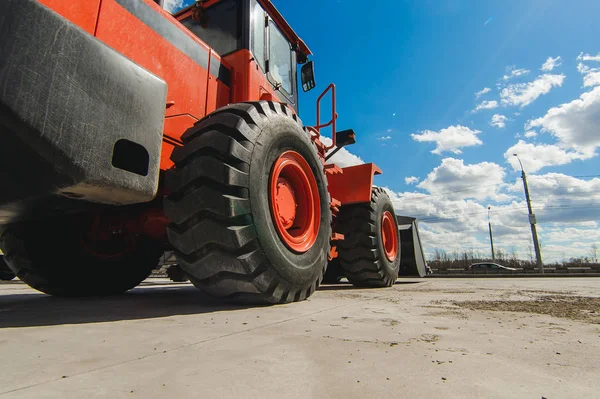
(182, 347)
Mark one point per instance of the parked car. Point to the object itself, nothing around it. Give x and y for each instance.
(489, 266)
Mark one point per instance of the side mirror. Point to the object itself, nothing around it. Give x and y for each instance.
(308, 76)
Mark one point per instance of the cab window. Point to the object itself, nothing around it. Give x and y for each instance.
(219, 26)
(280, 60)
(258, 34)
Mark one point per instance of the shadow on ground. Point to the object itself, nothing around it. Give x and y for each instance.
(345, 286)
(150, 300)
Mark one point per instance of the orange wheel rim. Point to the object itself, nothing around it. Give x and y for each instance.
(389, 236)
(295, 202)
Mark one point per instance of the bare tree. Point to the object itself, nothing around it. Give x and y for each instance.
(513, 254)
(530, 251)
(456, 255)
(594, 253)
(500, 254)
(444, 255)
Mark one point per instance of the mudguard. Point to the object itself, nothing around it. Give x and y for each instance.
(77, 119)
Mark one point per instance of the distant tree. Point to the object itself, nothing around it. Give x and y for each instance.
(500, 254)
(594, 253)
(455, 255)
(513, 254)
(530, 251)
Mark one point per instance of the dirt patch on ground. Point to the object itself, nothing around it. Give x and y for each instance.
(448, 313)
(430, 338)
(585, 309)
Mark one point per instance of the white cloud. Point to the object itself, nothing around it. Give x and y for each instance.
(343, 158)
(551, 63)
(523, 94)
(588, 57)
(572, 233)
(486, 105)
(173, 5)
(538, 156)
(384, 138)
(591, 76)
(566, 210)
(450, 223)
(561, 198)
(482, 92)
(530, 134)
(588, 223)
(499, 121)
(514, 73)
(574, 124)
(449, 139)
(411, 180)
(456, 180)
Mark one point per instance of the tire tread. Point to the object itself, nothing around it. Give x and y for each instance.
(212, 231)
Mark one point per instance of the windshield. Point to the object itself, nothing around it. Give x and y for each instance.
(221, 29)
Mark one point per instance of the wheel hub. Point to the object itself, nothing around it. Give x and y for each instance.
(389, 236)
(285, 203)
(294, 200)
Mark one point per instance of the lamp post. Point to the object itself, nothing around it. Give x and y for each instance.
(532, 221)
(491, 236)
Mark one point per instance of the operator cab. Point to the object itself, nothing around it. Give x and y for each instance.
(233, 28)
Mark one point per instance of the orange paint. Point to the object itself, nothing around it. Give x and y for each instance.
(354, 184)
(81, 13)
(194, 92)
(389, 236)
(295, 202)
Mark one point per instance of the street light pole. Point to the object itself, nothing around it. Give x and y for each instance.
(491, 236)
(532, 221)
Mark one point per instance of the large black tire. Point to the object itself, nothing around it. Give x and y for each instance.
(222, 229)
(49, 257)
(361, 253)
(5, 273)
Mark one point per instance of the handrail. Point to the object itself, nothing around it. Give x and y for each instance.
(334, 115)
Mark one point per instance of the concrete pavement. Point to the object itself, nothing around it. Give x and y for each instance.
(164, 339)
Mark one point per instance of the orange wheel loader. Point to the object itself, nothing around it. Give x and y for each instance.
(126, 131)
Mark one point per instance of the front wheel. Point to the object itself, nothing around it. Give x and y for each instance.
(249, 205)
(370, 251)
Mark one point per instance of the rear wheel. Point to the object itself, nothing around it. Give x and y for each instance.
(249, 205)
(370, 252)
(79, 256)
(5, 273)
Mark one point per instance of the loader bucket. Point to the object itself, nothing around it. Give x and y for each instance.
(412, 263)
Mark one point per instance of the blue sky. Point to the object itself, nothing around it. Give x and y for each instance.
(407, 74)
(424, 60)
(403, 68)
